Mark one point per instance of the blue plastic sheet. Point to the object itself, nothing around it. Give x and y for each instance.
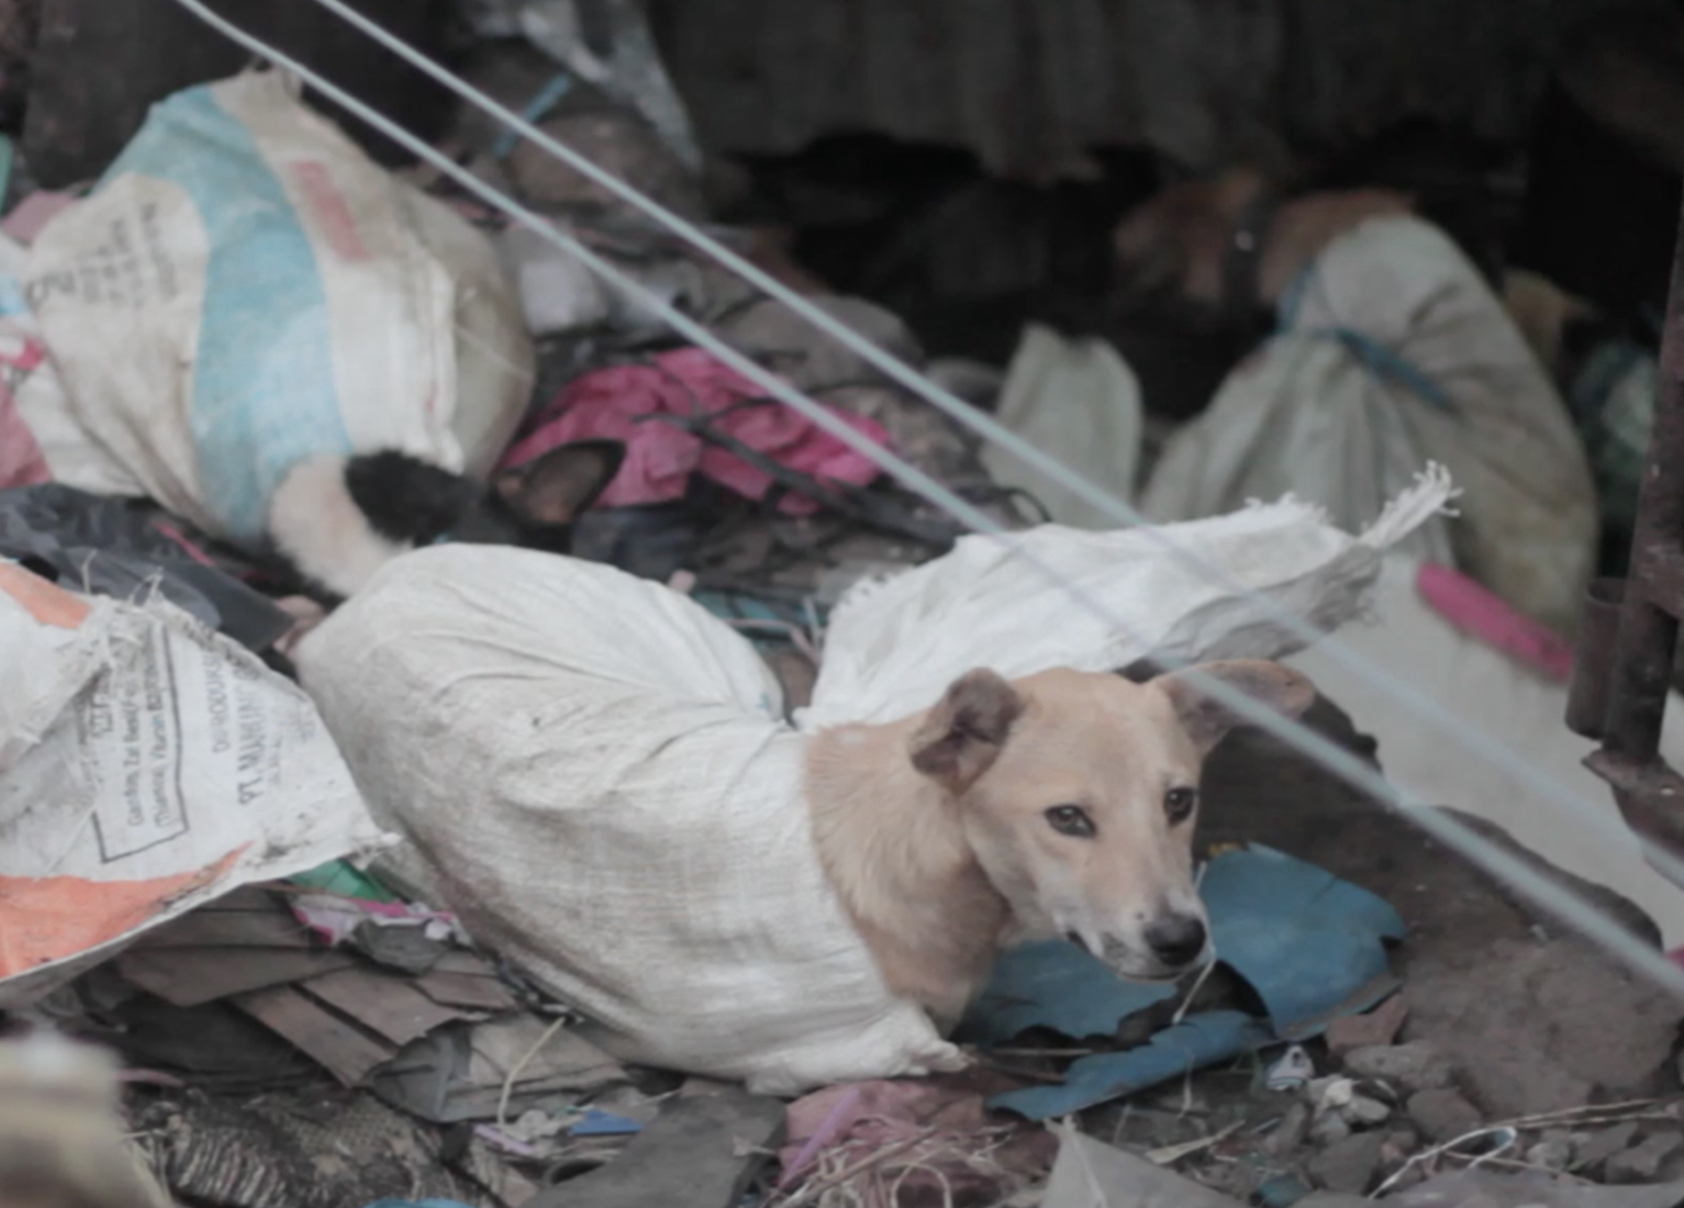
(1195, 1042)
(1059, 986)
(1304, 940)
(596, 1123)
(1311, 945)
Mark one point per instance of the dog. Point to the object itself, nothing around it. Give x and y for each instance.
(1225, 248)
(336, 521)
(728, 894)
(1058, 805)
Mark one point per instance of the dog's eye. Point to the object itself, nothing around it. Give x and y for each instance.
(1070, 820)
(1179, 803)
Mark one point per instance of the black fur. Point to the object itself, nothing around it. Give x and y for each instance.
(405, 499)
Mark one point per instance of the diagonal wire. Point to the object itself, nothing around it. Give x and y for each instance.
(1570, 907)
(1413, 699)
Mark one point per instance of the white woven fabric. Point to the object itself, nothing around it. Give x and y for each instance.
(1321, 411)
(594, 773)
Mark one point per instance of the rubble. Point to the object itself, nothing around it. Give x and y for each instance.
(1415, 1066)
(307, 1011)
(1443, 1114)
(1642, 1162)
(1554, 1152)
(1349, 1167)
(1592, 1149)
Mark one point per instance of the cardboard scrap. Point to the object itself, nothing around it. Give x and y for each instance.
(1380, 1026)
(239, 943)
(457, 1073)
(386, 1005)
(329, 1002)
(701, 1152)
(249, 917)
(190, 977)
(462, 979)
(346, 1051)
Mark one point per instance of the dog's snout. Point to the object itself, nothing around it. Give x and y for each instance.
(1176, 939)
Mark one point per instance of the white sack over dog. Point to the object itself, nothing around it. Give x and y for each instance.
(594, 774)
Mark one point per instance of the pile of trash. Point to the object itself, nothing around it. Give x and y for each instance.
(397, 866)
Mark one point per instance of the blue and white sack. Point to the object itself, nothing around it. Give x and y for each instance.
(245, 289)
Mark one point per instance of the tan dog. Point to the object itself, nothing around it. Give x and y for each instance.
(1061, 804)
(1546, 316)
(1176, 245)
(1174, 248)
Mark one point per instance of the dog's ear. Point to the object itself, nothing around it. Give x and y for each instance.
(550, 491)
(1207, 719)
(961, 737)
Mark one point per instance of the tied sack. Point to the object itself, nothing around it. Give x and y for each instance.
(246, 290)
(594, 773)
(1393, 352)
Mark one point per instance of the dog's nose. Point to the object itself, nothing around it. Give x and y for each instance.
(1176, 939)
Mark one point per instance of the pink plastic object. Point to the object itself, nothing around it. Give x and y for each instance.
(624, 403)
(27, 218)
(1477, 611)
(22, 464)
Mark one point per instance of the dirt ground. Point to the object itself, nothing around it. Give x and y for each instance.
(1534, 1017)
(1532, 1020)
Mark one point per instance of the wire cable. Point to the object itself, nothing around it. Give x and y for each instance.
(1422, 706)
(1545, 893)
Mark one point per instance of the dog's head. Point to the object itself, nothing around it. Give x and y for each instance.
(1078, 794)
(1171, 251)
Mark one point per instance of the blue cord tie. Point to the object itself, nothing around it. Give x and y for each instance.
(1381, 361)
(537, 109)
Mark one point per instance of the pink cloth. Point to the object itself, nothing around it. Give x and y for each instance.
(618, 403)
(1477, 611)
(914, 1142)
(22, 464)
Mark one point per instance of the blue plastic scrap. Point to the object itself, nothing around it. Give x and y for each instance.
(596, 1123)
(1195, 1042)
(1311, 946)
(1282, 1191)
(1059, 986)
(1303, 939)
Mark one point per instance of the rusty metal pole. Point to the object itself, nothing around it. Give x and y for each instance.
(1649, 792)
(1649, 621)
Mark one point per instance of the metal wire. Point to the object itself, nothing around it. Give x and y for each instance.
(1414, 701)
(1545, 893)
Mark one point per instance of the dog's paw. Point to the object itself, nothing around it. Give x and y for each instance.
(778, 1081)
(306, 614)
(939, 1058)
